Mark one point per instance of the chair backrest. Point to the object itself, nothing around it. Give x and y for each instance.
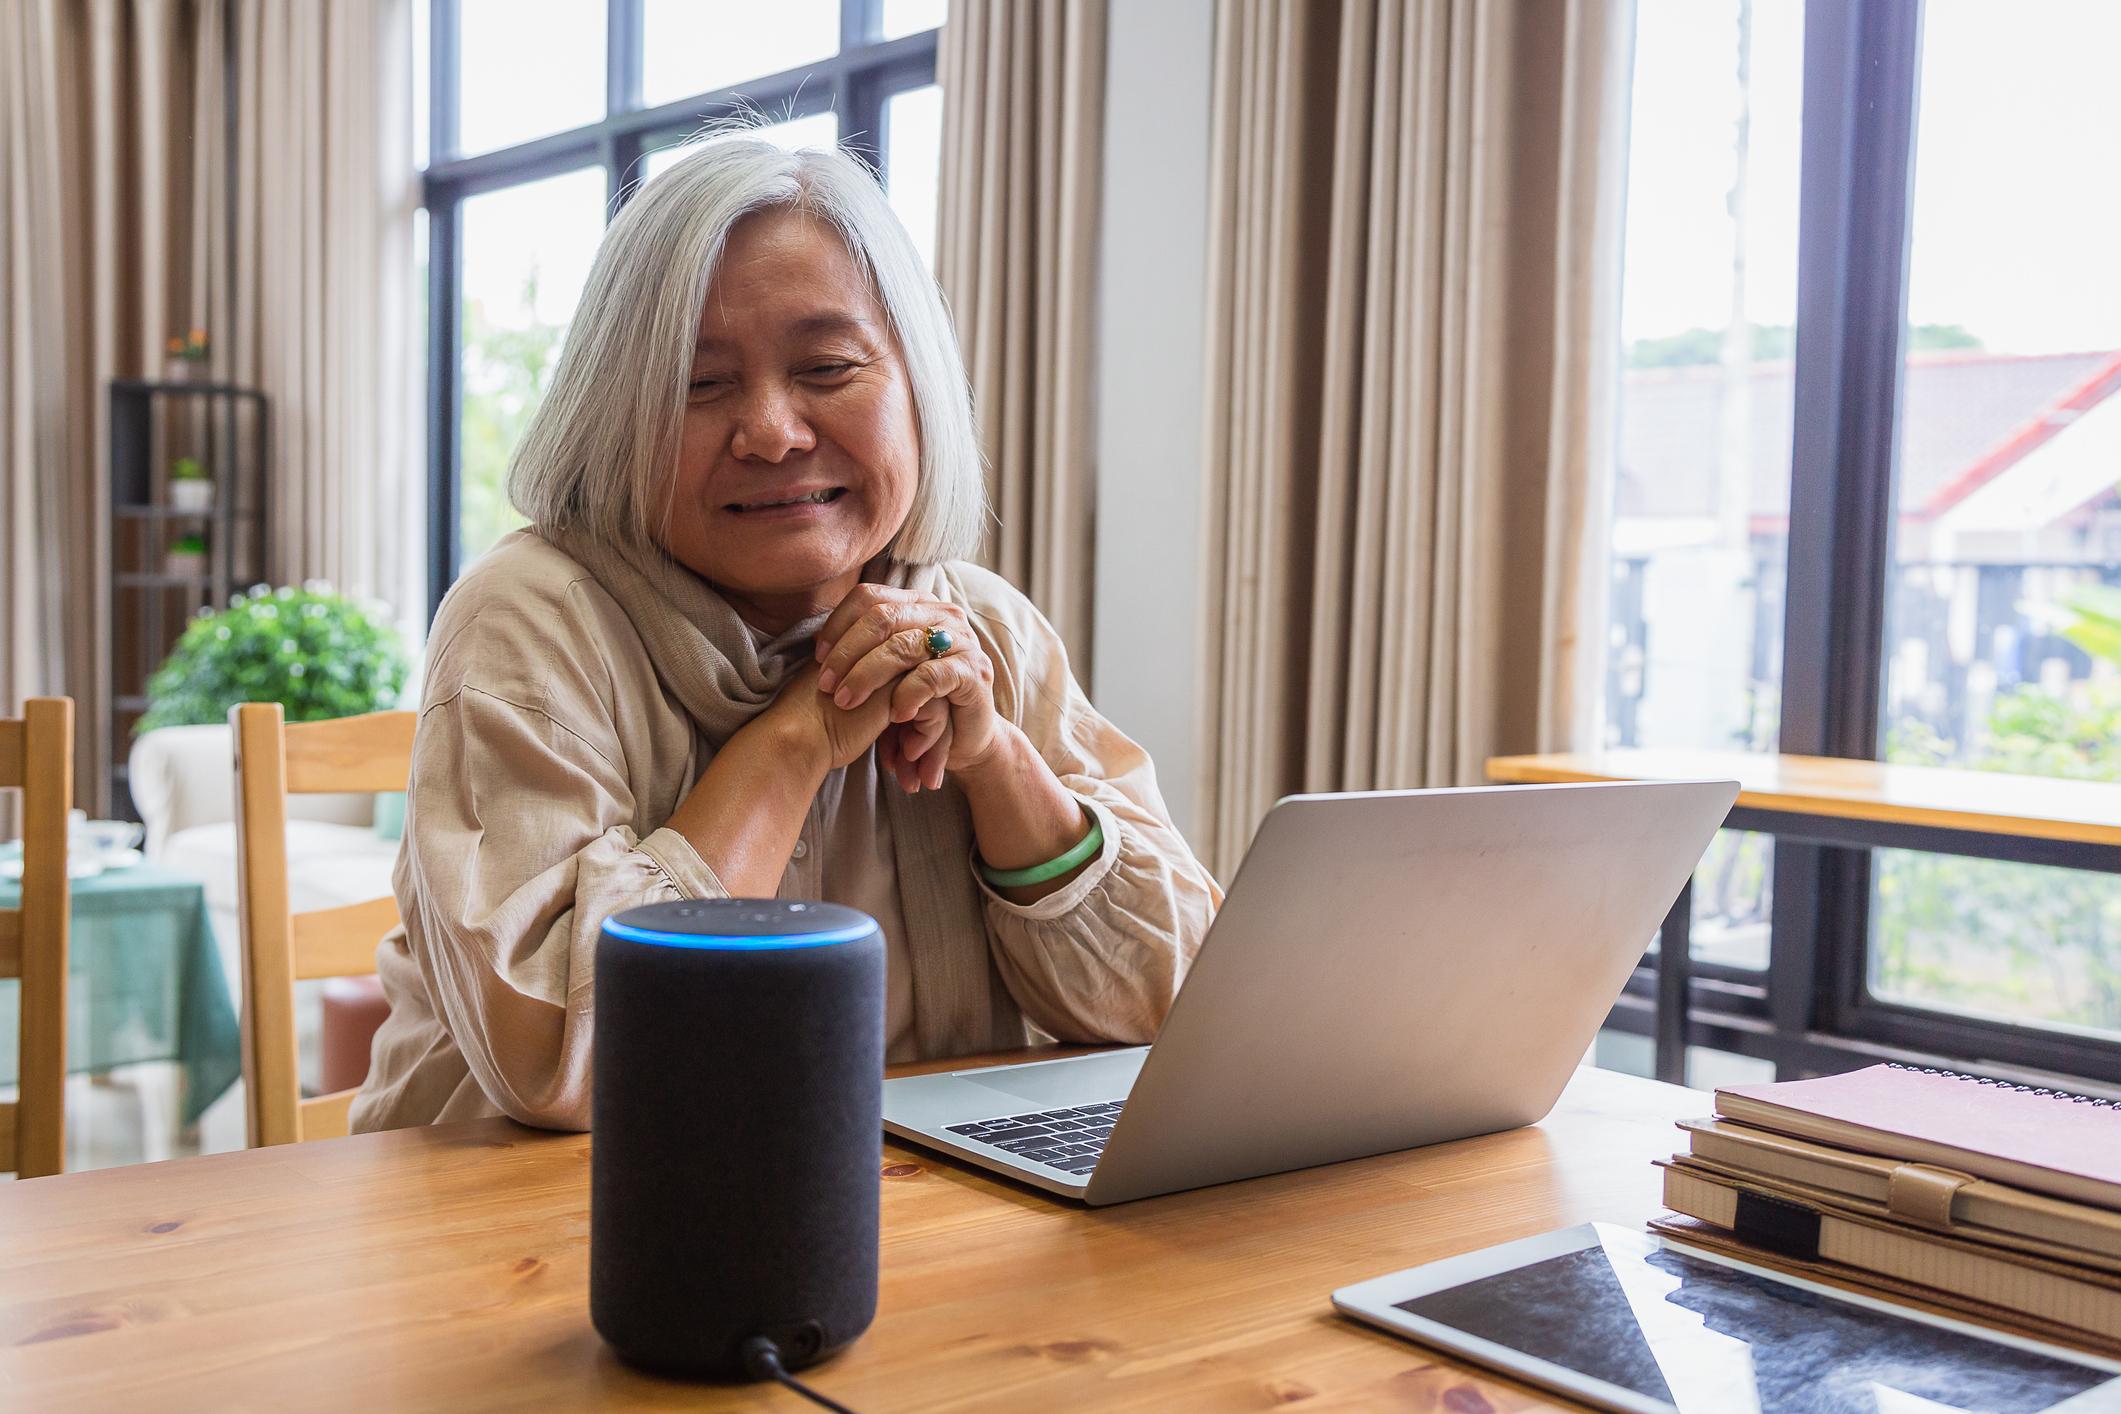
(37, 754)
(281, 947)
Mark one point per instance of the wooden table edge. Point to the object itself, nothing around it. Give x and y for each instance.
(1531, 770)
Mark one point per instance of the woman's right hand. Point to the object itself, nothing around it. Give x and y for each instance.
(746, 812)
(839, 735)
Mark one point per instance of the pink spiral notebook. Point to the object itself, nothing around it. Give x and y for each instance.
(2043, 1140)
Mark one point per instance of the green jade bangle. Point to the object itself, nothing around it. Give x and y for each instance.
(1052, 868)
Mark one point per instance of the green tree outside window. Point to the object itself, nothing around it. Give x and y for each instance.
(507, 369)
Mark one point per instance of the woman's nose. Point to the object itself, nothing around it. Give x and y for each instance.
(769, 426)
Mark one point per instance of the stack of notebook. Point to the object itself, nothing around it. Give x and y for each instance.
(1973, 1195)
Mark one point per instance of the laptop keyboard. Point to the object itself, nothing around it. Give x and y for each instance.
(1068, 1140)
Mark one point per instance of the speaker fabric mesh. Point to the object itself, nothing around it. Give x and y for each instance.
(737, 1133)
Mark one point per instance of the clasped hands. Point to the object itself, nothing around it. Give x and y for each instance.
(876, 683)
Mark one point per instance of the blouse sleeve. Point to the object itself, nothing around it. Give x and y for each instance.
(519, 842)
(1102, 958)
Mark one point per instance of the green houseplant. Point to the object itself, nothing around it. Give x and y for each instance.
(190, 488)
(317, 653)
(186, 556)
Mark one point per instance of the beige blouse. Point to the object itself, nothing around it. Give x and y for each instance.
(548, 756)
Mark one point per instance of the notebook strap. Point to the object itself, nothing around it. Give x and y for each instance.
(1918, 1193)
(1786, 1229)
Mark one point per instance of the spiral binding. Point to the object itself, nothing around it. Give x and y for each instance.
(2095, 1101)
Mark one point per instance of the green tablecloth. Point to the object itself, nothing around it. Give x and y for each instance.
(144, 983)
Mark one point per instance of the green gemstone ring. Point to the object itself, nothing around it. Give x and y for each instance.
(939, 641)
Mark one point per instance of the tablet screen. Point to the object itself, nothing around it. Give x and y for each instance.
(1701, 1336)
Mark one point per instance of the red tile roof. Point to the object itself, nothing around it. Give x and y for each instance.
(1966, 417)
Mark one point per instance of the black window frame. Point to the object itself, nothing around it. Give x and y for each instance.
(1811, 1010)
(858, 83)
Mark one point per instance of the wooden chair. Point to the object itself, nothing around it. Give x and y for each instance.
(37, 754)
(280, 947)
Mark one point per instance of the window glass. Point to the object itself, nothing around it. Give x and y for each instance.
(913, 148)
(698, 46)
(2004, 607)
(526, 255)
(1700, 513)
(902, 17)
(422, 83)
(527, 68)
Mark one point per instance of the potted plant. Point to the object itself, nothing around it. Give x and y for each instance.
(316, 653)
(187, 359)
(186, 557)
(191, 490)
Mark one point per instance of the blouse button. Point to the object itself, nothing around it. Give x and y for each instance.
(802, 848)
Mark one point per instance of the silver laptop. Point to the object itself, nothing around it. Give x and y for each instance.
(1390, 969)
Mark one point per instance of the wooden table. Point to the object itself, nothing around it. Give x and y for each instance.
(1836, 801)
(447, 1268)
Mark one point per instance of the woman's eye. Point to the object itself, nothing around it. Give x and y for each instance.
(709, 384)
(829, 370)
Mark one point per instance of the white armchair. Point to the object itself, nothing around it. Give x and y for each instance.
(183, 783)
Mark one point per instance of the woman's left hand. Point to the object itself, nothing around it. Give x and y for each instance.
(942, 708)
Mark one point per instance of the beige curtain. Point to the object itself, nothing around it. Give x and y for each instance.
(114, 235)
(324, 301)
(1414, 260)
(110, 214)
(1023, 119)
(40, 534)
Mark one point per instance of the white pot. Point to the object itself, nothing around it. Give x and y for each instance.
(184, 563)
(191, 496)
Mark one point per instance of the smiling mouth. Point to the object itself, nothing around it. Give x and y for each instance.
(815, 498)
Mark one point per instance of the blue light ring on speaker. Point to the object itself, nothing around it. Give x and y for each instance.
(848, 934)
(740, 925)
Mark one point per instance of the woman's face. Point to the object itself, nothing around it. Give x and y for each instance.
(800, 452)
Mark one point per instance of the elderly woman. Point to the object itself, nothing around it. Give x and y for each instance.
(739, 652)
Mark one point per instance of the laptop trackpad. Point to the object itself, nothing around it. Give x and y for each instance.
(1077, 1081)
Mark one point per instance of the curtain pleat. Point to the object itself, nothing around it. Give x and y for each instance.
(46, 532)
(1412, 266)
(1023, 122)
(327, 198)
(105, 176)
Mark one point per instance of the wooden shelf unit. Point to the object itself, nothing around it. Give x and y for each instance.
(144, 607)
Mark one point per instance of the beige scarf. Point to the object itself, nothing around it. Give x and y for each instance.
(707, 658)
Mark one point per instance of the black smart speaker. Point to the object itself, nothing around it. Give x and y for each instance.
(736, 1132)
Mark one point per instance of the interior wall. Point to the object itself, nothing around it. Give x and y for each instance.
(1150, 368)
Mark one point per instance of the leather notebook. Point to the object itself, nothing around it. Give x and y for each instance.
(2042, 1140)
(1940, 1199)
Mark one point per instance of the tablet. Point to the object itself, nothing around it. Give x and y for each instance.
(1625, 1320)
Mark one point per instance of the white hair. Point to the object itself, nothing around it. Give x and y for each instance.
(601, 448)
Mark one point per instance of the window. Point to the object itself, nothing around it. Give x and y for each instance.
(1701, 495)
(1865, 504)
(692, 46)
(2002, 645)
(526, 254)
(527, 68)
(538, 118)
(913, 143)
